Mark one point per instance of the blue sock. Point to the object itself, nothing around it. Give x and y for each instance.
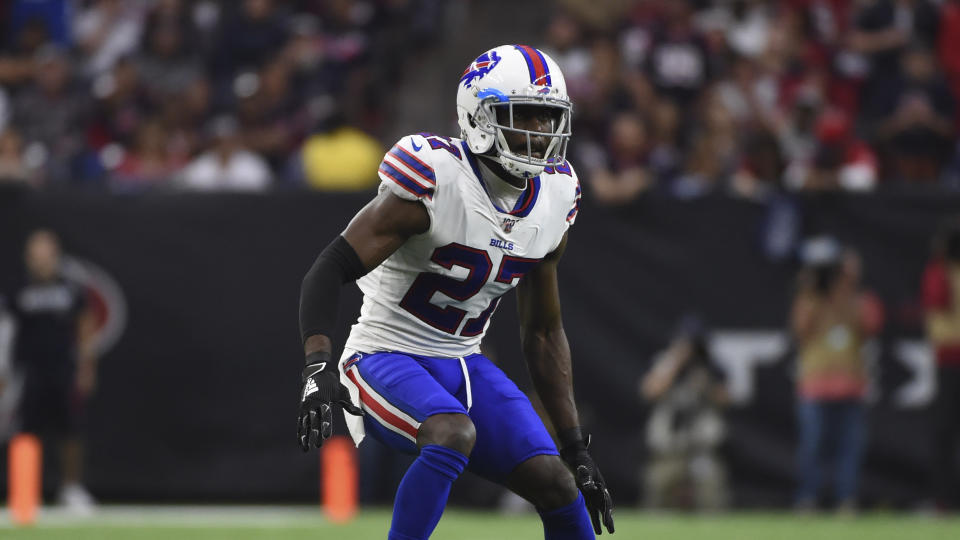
(423, 492)
(570, 522)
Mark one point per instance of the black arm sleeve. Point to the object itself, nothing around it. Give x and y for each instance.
(337, 264)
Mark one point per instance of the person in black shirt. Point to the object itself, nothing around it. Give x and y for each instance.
(54, 352)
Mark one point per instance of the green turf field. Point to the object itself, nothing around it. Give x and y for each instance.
(240, 523)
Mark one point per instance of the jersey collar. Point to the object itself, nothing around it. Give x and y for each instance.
(527, 199)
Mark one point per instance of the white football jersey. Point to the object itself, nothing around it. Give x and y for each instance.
(434, 296)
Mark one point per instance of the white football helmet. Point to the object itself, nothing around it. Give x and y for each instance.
(502, 77)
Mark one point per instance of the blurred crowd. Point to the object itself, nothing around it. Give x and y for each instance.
(688, 97)
(749, 96)
(203, 94)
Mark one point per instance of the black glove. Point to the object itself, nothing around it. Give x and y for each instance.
(573, 450)
(320, 390)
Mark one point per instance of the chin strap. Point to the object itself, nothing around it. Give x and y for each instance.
(516, 168)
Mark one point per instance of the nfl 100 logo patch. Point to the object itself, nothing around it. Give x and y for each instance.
(508, 224)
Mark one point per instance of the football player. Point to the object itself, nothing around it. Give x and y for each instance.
(456, 224)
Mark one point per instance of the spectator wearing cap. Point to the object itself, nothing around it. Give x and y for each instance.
(228, 165)
(831, 319)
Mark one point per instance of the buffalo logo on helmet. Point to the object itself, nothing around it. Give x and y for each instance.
(479, 68)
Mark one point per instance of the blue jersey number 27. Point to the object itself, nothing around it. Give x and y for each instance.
(478, 264)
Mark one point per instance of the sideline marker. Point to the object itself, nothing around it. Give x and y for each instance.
(25, 470)
(339, 479)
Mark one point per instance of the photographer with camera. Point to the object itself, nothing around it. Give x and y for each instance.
(941, 299)
(831, 319)
(686, 428)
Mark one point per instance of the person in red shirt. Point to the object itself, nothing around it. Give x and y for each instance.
(941, 299)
